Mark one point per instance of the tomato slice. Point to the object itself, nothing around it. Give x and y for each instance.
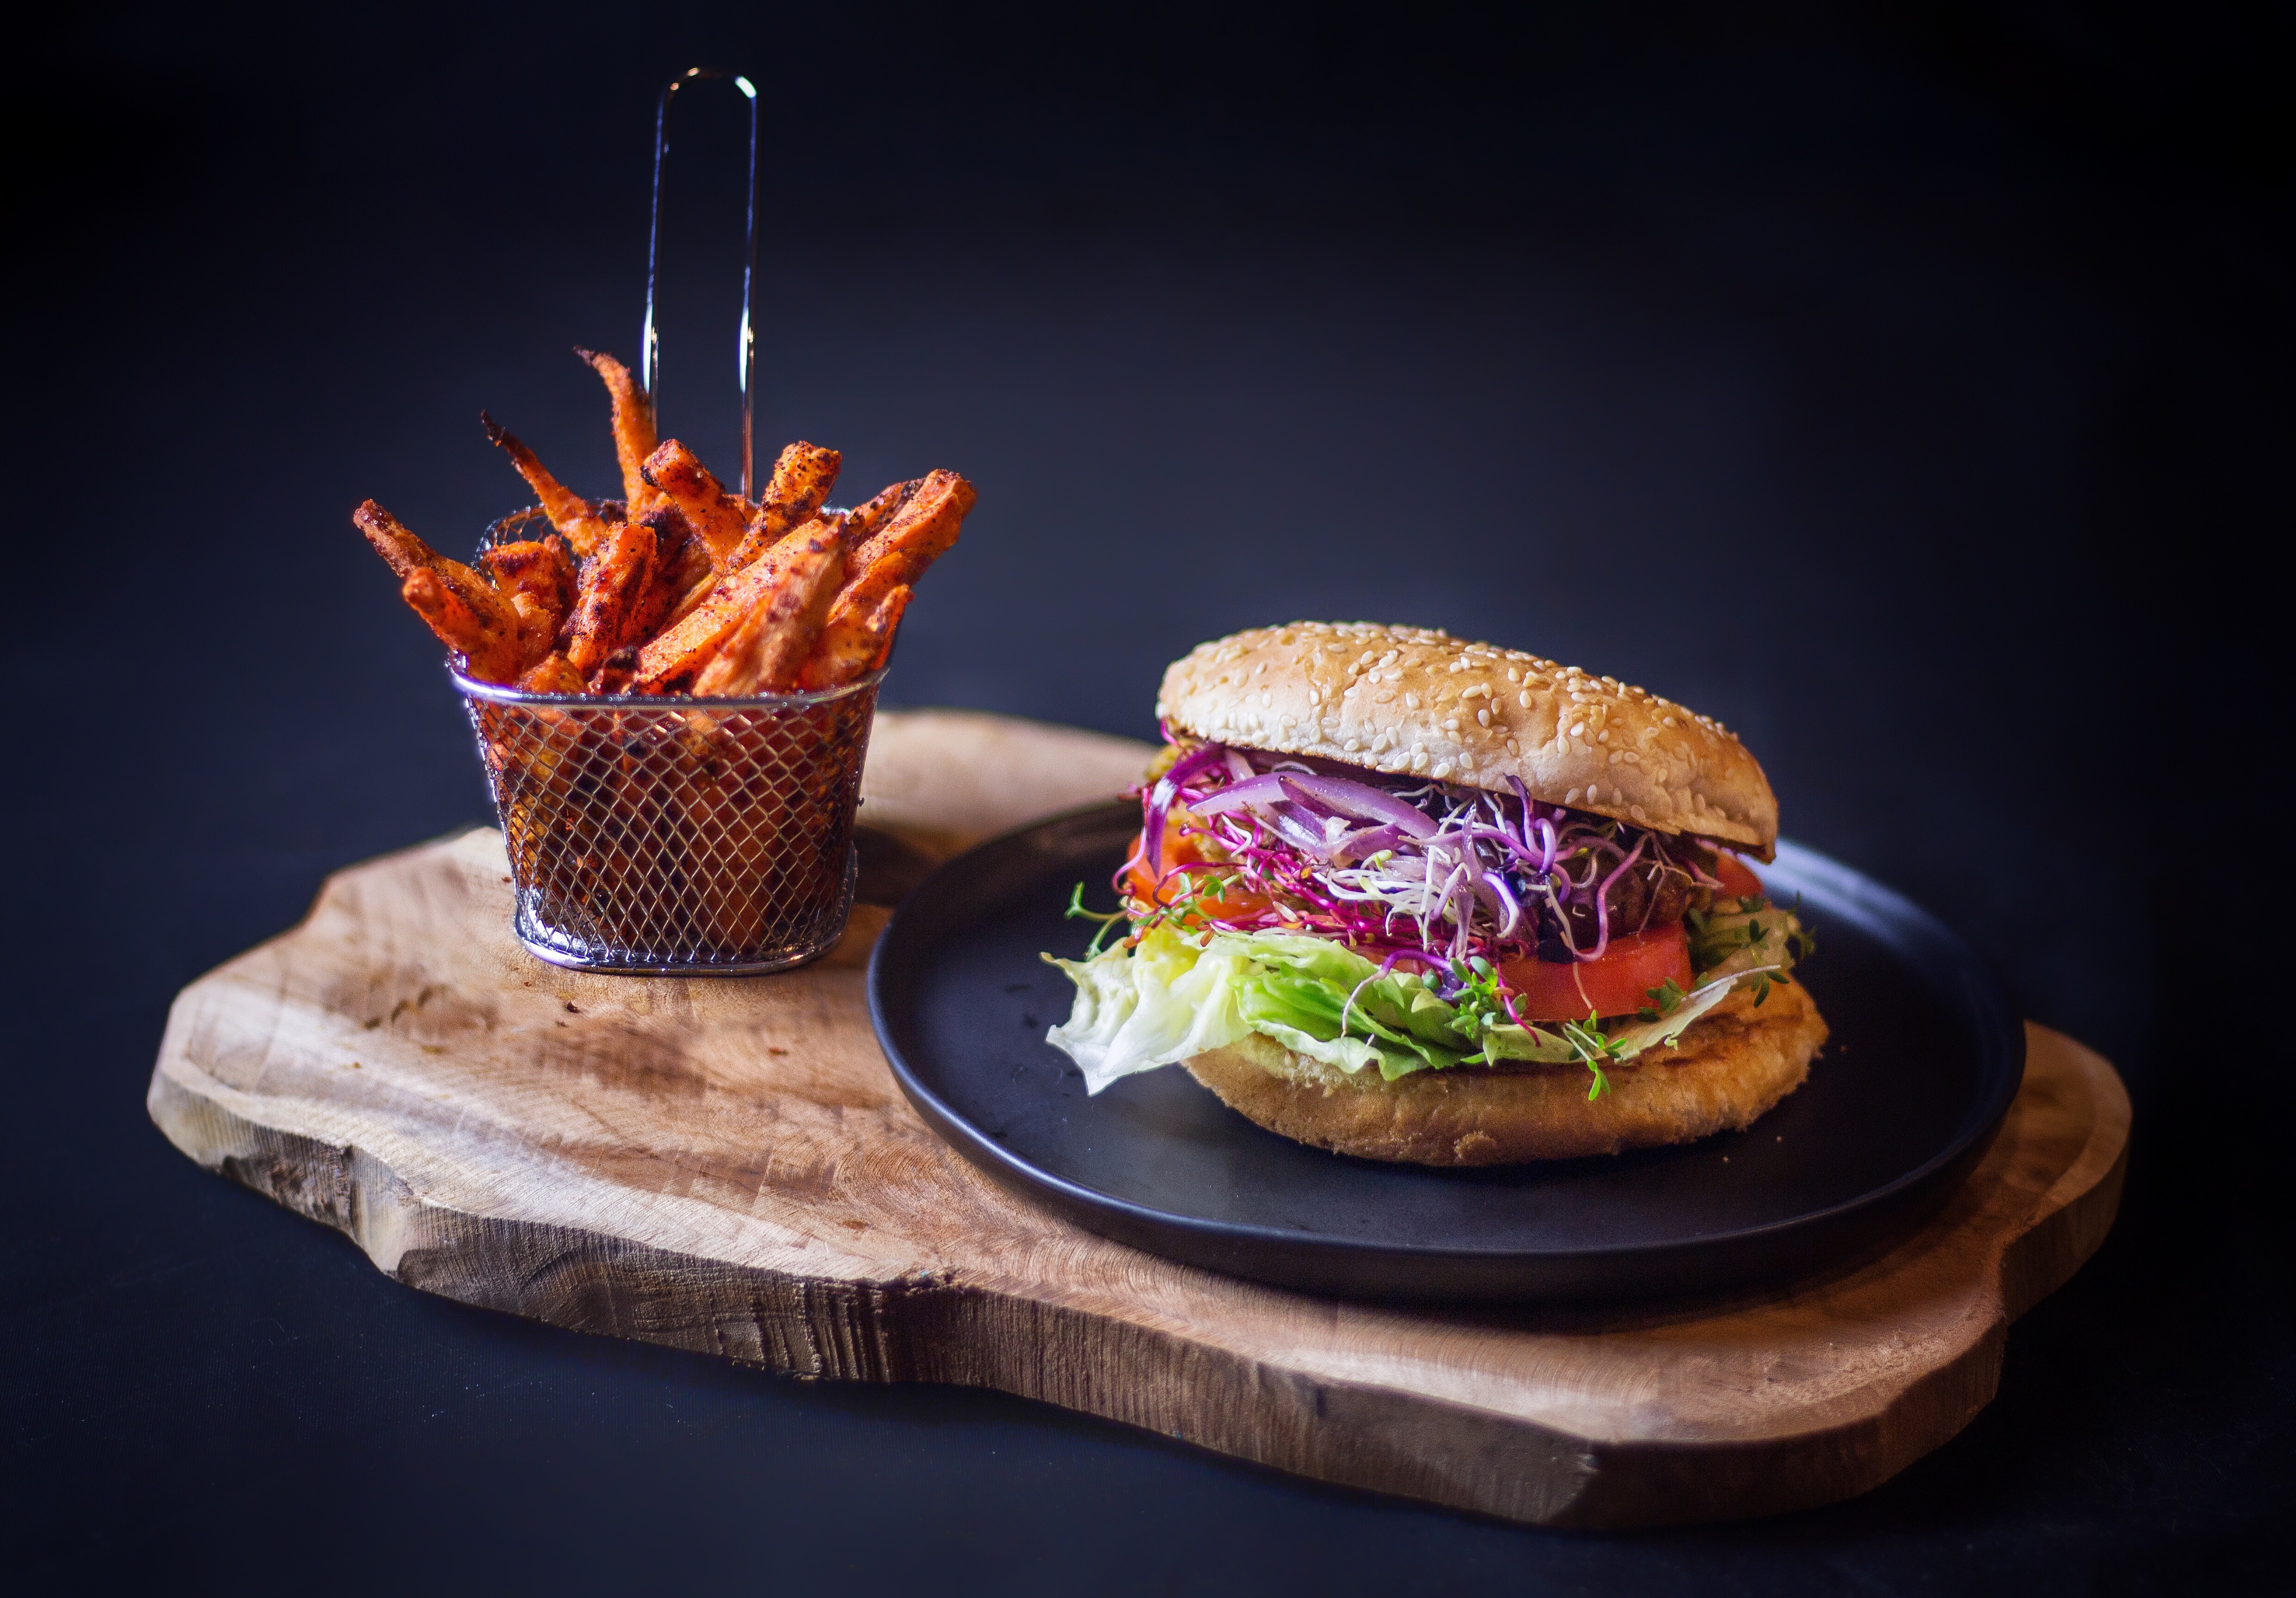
(1618, 984)
(1736, 879)
(1183, 849)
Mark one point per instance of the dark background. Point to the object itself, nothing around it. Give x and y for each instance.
(1903, 385)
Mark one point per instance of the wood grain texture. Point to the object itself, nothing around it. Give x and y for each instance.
(728, 1167)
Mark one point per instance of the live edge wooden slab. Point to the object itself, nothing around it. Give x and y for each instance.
(727, 1166)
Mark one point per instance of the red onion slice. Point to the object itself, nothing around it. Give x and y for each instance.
(1362, 801)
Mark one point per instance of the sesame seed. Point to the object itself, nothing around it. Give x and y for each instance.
(1483, 718)
(1523, 699)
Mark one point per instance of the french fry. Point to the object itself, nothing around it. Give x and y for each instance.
(686, 646)
(917, 533)
(491, 652)
(680, 563)
(570, 514)
(614, 672)
(719, 519)
(800, 485)
(613, 581)
(865, 519)
(687, 602)
(552, 674)
(406, 554)
(857, 645)
(763, 652)
(537, 577)
(792, 849)
(633, 439)
(541, 567)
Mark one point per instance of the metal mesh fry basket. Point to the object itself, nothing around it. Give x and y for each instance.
(673, 836)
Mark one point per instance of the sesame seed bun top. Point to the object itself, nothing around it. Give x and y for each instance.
(1412, 702)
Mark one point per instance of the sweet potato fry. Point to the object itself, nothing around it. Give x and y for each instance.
(570, 514)
(763, 652)
(865, 519)
(491, 652)
(612, 584)
(542, 568)
(917, 533)
(633, 439)
(855, 645)
(680, 563)
(614, 672)
(405, 554)
(537, 577)
(552, 674)
(687, 645)
(687, 602)
(718, 518)
(800, 483)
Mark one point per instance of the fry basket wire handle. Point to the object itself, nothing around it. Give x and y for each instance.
(746, 352)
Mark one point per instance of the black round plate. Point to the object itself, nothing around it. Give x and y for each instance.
(1926, 1054)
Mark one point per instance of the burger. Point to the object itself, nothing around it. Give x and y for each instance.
(1412, 899)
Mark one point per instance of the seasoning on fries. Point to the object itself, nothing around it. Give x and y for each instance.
(682, 586)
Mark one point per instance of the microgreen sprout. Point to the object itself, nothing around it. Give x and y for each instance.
(1481, 1002)
(1665, 999)
(1586, 1041)
(1076, 912)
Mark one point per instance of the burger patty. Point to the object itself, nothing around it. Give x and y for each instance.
(1656, 891)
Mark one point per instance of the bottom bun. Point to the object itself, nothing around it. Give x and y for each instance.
(1733, 1064)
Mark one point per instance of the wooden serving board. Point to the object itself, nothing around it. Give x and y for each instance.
(726, 1165)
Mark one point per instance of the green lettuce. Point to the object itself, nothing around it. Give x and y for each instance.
(1164, 998)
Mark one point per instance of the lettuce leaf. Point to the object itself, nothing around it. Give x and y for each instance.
(1137, 1008)
(1166, 997)
(1736, 941)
